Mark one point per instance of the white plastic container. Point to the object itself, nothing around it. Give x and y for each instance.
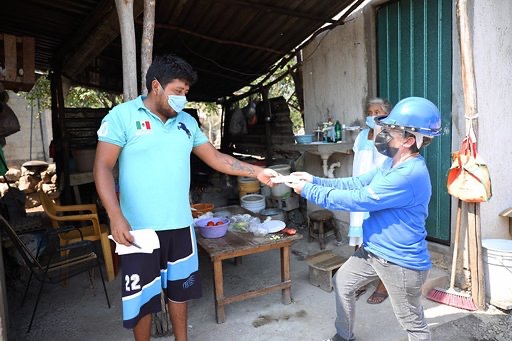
(253, 202)
(281, 190)
(498, 271)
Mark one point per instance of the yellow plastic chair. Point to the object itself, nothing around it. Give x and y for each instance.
(95, 231)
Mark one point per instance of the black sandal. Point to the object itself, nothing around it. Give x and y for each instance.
(360, 292)
(377, 297)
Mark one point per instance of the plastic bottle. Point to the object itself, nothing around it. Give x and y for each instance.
(337, 131)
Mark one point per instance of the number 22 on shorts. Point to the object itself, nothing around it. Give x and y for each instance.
(132, 282)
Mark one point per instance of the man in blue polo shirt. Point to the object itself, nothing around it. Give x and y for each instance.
(152, 137)
(396, 195)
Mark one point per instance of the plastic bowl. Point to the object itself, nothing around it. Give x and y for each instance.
(304, 139)
(216, 231)
(200, 209)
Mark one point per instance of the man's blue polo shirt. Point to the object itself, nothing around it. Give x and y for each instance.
(154, 164)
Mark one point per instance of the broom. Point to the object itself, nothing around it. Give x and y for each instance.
(450, 296)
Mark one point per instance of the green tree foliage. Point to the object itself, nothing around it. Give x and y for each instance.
(40, 92)
(78, 97)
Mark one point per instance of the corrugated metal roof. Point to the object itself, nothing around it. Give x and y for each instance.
(229, 42)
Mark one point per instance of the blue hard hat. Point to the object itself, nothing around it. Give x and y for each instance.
(414, 114)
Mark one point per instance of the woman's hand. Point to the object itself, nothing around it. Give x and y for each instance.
(305, 176)
(297, 186)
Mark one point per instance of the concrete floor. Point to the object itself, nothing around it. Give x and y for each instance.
(77, 312)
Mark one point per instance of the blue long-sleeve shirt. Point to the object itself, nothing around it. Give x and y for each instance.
(397, 199)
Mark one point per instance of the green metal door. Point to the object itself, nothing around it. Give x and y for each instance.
(414, 58)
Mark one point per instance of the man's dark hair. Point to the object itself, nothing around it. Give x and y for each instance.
(167, 68)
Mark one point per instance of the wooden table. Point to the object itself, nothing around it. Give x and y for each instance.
(236, 244)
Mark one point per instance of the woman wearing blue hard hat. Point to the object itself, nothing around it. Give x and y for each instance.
(396, 195)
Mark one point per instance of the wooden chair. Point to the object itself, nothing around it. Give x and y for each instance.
(58, 265)
(94, 231)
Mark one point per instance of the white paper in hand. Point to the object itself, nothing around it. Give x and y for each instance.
(285, 178)
(147, 239)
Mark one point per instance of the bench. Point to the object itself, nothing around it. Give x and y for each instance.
(322, 267)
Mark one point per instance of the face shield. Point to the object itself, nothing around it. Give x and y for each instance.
(422, 140)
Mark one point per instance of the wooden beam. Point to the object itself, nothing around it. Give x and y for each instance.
(280, 10)
(99, 30)
(219, 74)
(10, 54)
(29, 67)
(216, 40)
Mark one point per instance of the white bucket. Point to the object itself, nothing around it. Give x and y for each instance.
(281, 190)
(498, 271)
(253, 202)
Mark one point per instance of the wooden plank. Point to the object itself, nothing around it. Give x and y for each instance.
(10, 57)
(286, 276)
(325, 260)
(252, 250)
(29, 75)
(255, 293)
(218, 284)
(471, 111)
(235, 244)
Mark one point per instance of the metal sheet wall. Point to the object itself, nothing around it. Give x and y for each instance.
(414, 54)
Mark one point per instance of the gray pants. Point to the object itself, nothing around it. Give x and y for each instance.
(403, 286)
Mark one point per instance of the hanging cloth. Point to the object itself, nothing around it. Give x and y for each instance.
(469, 178)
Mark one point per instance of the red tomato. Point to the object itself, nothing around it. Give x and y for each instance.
(210, 223)
(289, 231)
(219, 223)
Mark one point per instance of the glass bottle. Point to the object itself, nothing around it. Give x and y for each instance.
(337, 131)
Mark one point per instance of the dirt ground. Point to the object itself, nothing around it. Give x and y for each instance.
(79, 312)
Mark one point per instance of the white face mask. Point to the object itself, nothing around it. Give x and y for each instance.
(370, 121)
(177, 103)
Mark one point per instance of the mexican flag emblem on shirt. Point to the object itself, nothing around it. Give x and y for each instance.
(143, 125)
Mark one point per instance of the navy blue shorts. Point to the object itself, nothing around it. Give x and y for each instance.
(173, 268)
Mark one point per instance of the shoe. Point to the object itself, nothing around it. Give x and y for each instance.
(377, 298)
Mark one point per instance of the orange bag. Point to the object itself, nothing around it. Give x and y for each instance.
(468, 177)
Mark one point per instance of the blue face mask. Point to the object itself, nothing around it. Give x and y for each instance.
(370, 121)
(177, 103)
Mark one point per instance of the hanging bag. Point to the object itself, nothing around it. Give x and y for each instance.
(468, 177)
(9, 123)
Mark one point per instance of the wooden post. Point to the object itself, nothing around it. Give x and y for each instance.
(129, 50)
(29, 65)
(268, 124)
(10, 58)
(470, 109)
(146, 46)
